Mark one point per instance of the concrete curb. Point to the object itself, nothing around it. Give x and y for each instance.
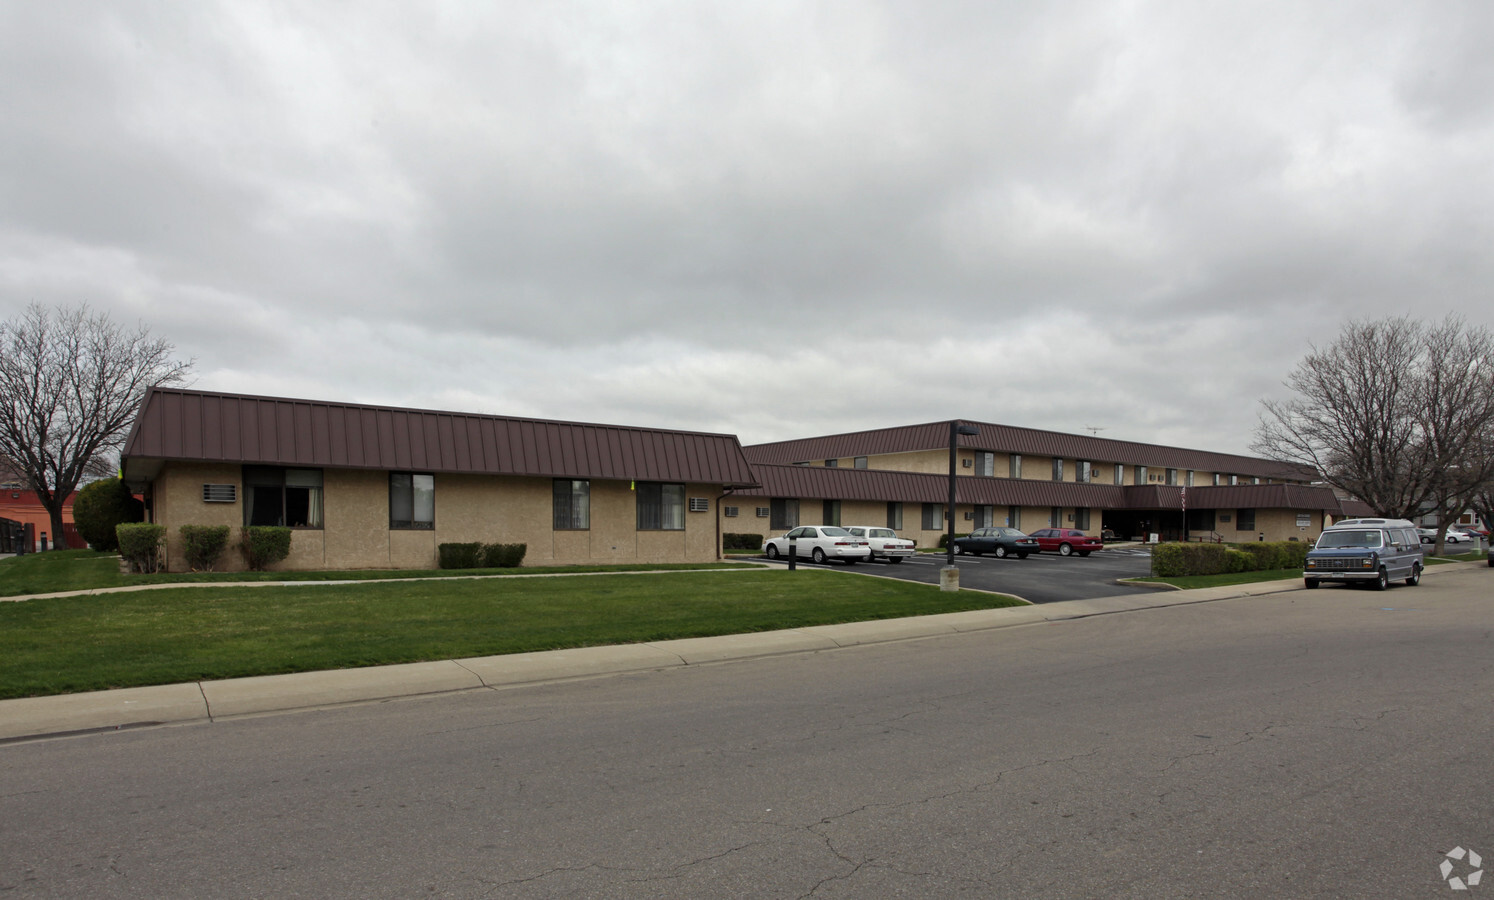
(39, 717)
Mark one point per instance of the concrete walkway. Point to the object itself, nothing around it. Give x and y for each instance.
(209, 701)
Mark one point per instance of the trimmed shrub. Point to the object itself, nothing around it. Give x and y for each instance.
(459, 556)
(203, 544)
(264, 545)
(504, 556)
(99, 507)
(140, 545)
(1238, 561)
(1173, 560)
(944, 538)
(741, 541)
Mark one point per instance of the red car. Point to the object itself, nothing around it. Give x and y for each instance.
(1066, 541)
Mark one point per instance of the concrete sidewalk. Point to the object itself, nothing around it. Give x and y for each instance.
(208, 701)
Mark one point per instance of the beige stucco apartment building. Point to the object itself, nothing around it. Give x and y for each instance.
(377, 487)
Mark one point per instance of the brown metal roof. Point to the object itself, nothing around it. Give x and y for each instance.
(1026, 441)
(821, 483)
(208, 427)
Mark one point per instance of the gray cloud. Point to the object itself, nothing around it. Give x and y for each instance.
(1133, 217)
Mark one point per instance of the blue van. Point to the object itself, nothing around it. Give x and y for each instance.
(1366, 551)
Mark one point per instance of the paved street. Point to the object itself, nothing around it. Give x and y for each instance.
(1326, 744)
(1040, 578)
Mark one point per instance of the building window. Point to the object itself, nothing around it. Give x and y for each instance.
(661, 507)
(1120, 473)
(1217, 482)
(1140, 475)
(1057, 469)
(785, 513)
(933, 517)
(985, 463)
(1244, 520)
(412, 500)
(984, 516)
(572, 504)
(1055, 517)
(1015, 466)
(729, 511)
(1081, 517)
(274, 495)
(830, 514)
(831, 463)
(895, 516)
(1014, 517)
(1234, 479)
(1172, 477)
(762, 512)
(859, 462)
(1082, 471)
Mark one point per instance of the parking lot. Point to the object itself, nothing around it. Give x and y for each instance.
(1040, 578)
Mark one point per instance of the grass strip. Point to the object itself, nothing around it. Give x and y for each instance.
(83, 570)
(1189, 582)
(87, 643)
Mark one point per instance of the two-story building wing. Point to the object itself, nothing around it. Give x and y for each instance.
(1029, 479)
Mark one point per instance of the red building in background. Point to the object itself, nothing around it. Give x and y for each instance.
(21, 505)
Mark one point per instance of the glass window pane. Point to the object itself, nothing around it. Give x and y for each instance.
(424, 489)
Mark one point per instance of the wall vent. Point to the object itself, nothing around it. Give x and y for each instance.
(220, 493)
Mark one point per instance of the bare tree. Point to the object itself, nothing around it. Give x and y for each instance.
(1395, 413)
(1455, 412)
(70, 383)
(1354, 419)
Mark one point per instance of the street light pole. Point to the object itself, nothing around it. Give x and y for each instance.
(955, 430)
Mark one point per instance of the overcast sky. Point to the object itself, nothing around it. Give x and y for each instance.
(769, 219)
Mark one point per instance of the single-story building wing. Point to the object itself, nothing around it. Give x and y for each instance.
(379, 487)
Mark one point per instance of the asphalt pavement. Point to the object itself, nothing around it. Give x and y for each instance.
(1040, 578)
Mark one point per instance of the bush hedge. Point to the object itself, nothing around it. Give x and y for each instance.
(203, 544)
(1174, 559)
(264, 545)
(731, 541)
(140, 545)
(503, 556)
(459, 556)
(99, 507)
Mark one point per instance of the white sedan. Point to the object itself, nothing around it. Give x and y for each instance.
(820, 542)
(884, 542)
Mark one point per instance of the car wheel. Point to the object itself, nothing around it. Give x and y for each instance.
(819, 556)
(1000, 552)
(1382, 580)
(772, 551)
(1415, 578)
(1065, 549)
(1312, 583)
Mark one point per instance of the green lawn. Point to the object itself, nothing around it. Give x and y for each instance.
(81, 570)
(193, 633)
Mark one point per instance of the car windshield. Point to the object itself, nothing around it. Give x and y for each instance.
(832, 531)
(1332, 540)
(1010, 532)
